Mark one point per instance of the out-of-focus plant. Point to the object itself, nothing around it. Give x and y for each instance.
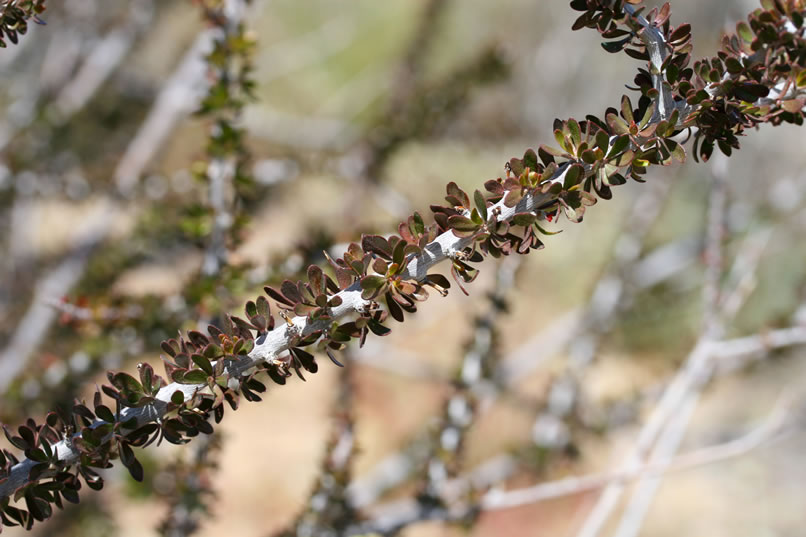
(757, 77)
(225, 171)
(329, 511)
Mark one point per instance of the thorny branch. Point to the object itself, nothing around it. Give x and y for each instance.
(592, 157)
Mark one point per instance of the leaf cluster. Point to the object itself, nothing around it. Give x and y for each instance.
(720, 96)
(14, 16)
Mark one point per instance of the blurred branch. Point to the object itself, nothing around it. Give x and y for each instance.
(548, 342)
(714, 326)
(35, 323)
(478, 368)
(415, 108)
(192, 493)
(560, 333)
(780, 423)
(314, 132)
(683, 392)
(302, 132)
(229, 66)
(723, 352)
(104, 314)
(178, 97)
(105, 57)
(776, 426)
(329, 511)
(419, 112)
(742, 278)
(611, 291)
(443, 458)
(74, 88)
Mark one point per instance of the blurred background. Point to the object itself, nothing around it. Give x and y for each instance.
(362, 112)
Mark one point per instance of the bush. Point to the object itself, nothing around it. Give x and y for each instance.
(758, 76)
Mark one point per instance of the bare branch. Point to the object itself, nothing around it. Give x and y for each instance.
(774, 428)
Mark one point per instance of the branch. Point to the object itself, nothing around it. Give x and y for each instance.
(775, 427)
(592, 158)
(713, 326)
(609, 293)
(34, 324)
(105, 57)
(192, 492)
(178, 97)
(670, 418)
(329, 510)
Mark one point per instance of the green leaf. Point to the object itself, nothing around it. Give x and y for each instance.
(380, 266)
(617, 125)
(36, 454)
(678, 151)
(571, 214)
(203, 363)
(745, 32)
(377, 245)
(399, 253)
(125, 383)
(462, 223)
(672, 73)
(377, 328)
(647, 115)
(250, 309)
(733, 65)
(551, 151)
(455, 192)
(516, 166)
(481, 205)
(212, 351)
(615, 46)
(588, 156)
(603, 140)
(680, 35)
(130, 462)
(372, 282)
(419, 225)
(146, 377)
(626, 109)
(195, 376)
(750, 92)
(576, 134)
(103, 412)
(523, 219)
(619, 145)
(246, 348)
(530, 159)
(573, 176)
